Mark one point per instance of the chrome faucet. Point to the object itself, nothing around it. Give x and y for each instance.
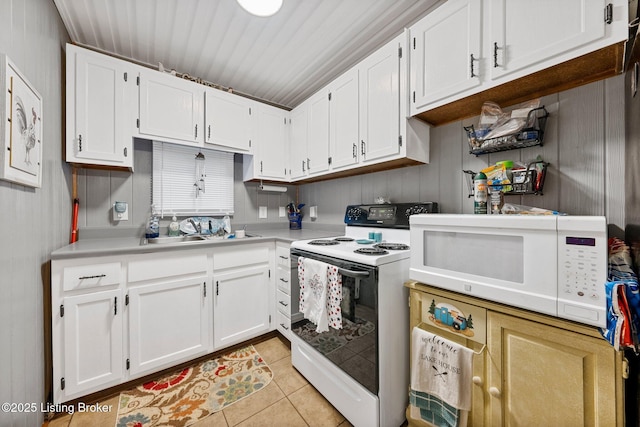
(196, 226)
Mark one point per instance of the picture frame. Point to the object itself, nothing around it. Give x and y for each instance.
(20, 127)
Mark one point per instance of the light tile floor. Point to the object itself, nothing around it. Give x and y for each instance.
(288, 401)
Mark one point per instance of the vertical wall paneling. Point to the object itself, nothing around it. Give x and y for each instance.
(36, 221)
(632, 155)
(614, 108)
(581, 150)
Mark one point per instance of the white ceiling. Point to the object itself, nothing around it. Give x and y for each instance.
(281, 59)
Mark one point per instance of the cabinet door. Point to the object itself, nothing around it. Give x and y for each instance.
(93, 357)
(241, 305)
(446, 51)
(380, 104)
(298, 141)
(227, 120)
(168, 323)
(343, 120)
(171, 108)
(540, 375)
(100, 94)
(318, 142)
(560, 27)
(271, 142)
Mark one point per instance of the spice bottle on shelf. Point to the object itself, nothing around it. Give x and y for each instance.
(480, 193)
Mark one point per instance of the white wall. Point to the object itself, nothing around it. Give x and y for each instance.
(33, 221)
(584, 143)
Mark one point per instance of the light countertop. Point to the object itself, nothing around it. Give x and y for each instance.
(131, 245)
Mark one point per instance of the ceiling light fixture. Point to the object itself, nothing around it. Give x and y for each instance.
(261, 7)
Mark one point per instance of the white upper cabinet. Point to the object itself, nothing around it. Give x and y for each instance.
(446, 51)
(317, 161)
(228, 121)
(298, 139)
(561, 26)
(468, 46)
(101, 97)
(380, 134)
(270, 142)
(171, 109)
(343, 120)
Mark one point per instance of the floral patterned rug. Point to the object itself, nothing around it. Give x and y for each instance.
(189, 395)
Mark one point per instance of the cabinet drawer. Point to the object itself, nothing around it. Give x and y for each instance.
(91, 276)
(283, 256)
(283, 325)
(240, 256)
(283, 279)
(162, 266)
(283, 303)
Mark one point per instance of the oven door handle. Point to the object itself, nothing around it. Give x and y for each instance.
(353, 273)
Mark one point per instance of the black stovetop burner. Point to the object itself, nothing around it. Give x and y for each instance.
(392, 246)
(371, 251)
(323, 242)
(343, 239)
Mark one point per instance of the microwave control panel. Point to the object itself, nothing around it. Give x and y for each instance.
(582, 273)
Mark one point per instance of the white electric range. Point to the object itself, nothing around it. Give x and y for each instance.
(363, 368)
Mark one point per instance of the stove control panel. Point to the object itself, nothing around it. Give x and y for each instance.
(389, 215)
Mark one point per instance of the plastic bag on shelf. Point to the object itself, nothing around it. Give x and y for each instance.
(515, 121)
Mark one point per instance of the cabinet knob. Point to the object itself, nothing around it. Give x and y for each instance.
(494, 391)
(477, 380)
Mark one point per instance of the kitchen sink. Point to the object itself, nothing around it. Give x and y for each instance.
(176, 239)
(188, 238)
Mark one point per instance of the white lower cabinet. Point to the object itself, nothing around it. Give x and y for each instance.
(92, 325)
(243, 294)
(121, 317)
(168, 324)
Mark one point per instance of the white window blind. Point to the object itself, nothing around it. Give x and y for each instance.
(174, 179)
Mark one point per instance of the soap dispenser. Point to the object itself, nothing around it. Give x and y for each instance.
(174, 227)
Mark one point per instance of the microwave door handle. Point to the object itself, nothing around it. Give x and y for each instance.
(353, 273)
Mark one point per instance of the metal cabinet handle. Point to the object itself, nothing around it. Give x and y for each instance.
(260, 166)
(208, 132)
(303, 169)
(473, 74)
(217, 291)
(283, 303)
(196, 131)
(495, 55)
(355, 150)
(92, 277)
(79, 142)
(362, 146)
(204, 289)
(283, 257)
(115, 306)
(283, 326)
(308, 160)
(283, 280)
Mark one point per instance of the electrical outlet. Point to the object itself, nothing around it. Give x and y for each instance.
(282, 212)
(262, 212)
(313, 212)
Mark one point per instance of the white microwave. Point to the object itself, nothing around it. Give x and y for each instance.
(555, 265)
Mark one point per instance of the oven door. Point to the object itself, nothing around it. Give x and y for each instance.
(354, 348)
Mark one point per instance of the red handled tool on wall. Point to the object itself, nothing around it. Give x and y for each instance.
(76, 205)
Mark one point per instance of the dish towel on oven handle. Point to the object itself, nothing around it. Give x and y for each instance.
(320, 293)
(441, 370)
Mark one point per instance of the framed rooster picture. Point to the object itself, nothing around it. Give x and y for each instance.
(21, 127)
